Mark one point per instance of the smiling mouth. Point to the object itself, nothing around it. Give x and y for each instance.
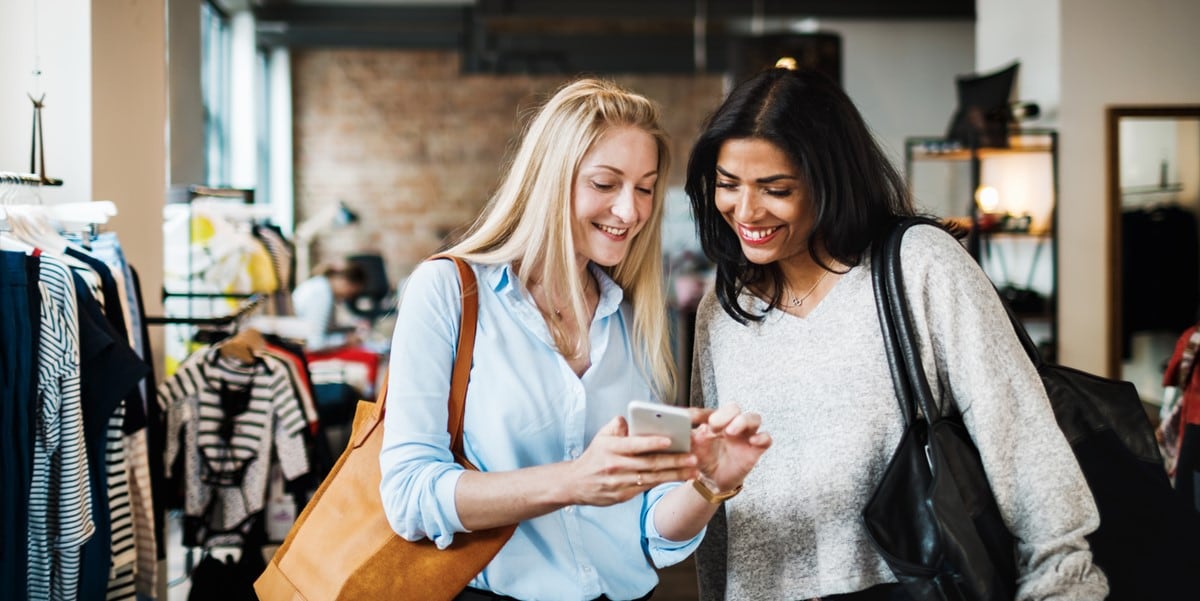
(757, 235)
(614, 232)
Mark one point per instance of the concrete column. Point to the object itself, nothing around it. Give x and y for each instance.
(129, 133)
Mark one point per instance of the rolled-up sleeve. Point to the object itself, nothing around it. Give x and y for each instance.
(662, 551)
(418, 471)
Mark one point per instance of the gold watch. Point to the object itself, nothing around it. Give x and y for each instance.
(714, 497)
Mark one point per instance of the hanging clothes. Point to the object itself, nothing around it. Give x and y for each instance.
(60, 517)
(1180, 427)
(72, 371)
(109, 371)
(224, 256)
(125, 460)
(18, 324)
(283, 259)
(216, 256)
(228, 420)
(145, 508)
(1160, 267)
(79, 489)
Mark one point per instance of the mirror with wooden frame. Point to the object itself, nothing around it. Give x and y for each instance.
(1154, 209)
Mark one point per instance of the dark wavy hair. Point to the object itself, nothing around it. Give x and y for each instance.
(855, 191)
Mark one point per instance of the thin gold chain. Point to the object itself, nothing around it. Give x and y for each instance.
(799, 302)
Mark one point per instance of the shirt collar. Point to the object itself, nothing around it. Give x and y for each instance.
(504, 282)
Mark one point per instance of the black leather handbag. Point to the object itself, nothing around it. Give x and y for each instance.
(933, 517)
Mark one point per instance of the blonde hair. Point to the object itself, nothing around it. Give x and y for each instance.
(536, 191)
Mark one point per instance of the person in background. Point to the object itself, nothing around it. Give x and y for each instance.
(315, 301)
(571, 327)
(790, 190)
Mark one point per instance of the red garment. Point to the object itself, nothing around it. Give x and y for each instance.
(362, 356)
(1181, 406)
(1190, 404)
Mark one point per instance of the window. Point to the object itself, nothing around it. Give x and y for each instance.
(214, 86)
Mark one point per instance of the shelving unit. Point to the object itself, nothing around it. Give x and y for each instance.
(1025, 175)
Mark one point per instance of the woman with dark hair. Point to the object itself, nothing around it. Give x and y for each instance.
(789, 190)
(316, 300)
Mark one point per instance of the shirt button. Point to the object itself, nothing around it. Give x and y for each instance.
(587, 569)
(569, 509)
(574, 452)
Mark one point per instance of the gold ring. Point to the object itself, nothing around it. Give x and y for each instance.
(639, 479)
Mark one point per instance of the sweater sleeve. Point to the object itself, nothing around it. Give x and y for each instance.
(711, 555)
(982, 369)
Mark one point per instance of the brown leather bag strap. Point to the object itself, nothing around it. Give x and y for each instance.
(462, 358)
(461, 374)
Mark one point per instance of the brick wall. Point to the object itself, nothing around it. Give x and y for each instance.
(415, 148)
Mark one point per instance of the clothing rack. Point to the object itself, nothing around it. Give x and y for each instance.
(254, 300)
(167, 295)
(27, 179)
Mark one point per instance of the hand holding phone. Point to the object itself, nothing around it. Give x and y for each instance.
(661, 420)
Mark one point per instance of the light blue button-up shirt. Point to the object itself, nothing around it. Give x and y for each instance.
(525, 407)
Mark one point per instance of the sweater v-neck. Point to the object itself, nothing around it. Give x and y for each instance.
(822, 306)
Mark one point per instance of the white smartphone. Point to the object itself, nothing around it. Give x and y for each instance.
(661, 420)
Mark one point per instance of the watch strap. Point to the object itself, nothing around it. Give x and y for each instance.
(715, 498)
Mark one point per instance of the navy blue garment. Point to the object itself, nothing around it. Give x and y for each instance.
(135, 405)
(108, 371)
(17, 390)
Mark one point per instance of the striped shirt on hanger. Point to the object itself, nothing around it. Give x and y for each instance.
(228, 452)
(60, 515)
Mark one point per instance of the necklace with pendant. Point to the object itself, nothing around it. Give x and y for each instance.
(799, 302)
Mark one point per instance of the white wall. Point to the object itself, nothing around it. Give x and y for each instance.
(60, 30)
(901, 74)
(1027, 31)
(104, 75)
(1113, 52)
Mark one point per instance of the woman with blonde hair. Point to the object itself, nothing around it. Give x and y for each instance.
(571, 327)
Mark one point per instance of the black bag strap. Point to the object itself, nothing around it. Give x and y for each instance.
(895, 319)
(889, 286)
(887, 329)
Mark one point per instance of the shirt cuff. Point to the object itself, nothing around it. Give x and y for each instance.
(444, 489)
(663, 551)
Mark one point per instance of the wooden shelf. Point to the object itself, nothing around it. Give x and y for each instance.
(1037, 236)
(972, 164)
(927, 149)
(1159, 189)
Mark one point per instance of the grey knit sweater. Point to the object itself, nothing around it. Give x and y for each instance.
(822, 386)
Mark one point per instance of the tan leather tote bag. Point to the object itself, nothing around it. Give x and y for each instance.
(342, 547)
